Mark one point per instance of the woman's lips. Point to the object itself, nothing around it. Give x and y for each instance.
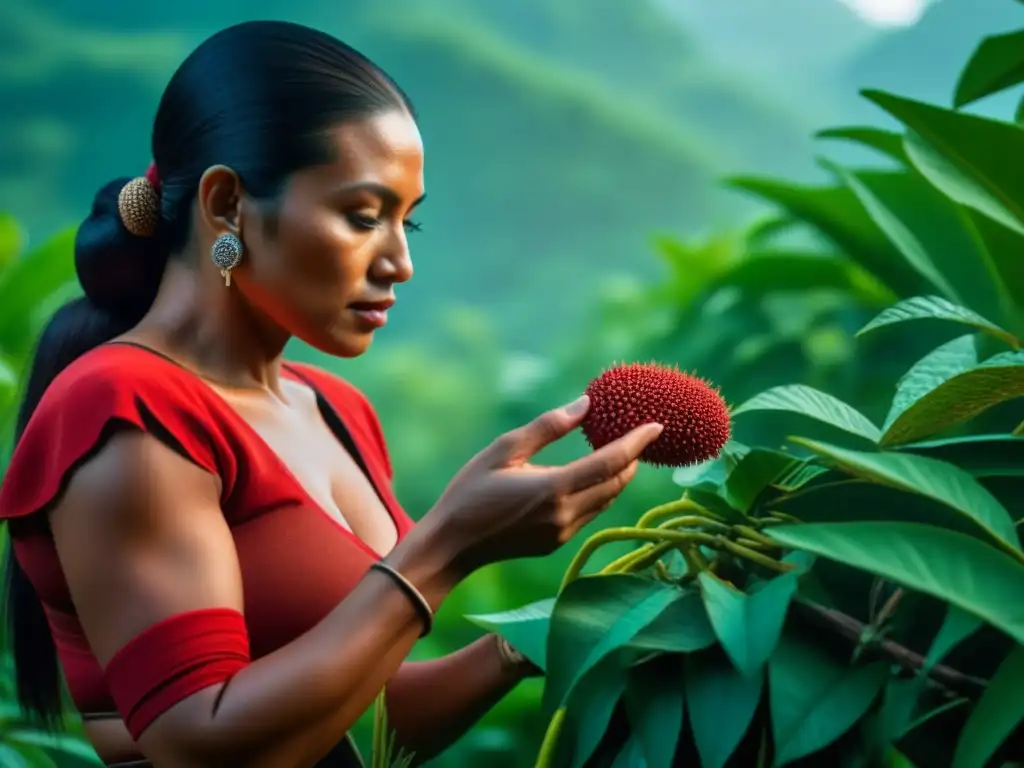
(373, 314)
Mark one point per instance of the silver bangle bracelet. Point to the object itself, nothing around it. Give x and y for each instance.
(414, 595)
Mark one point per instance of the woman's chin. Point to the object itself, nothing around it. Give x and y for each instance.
(346, 343)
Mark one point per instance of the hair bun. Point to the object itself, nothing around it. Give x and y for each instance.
(120, 271)
(138, 204)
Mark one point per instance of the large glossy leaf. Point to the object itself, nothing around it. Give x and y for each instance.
(888, 143)
(937, 308)
(916, 219)
(590, 709)
(807, 401)
(525, 628)
(935, 368)
(999, 711)
(814, 698)
(655, 703)
(681, 628)
(996, 64)
(593, 617)
(763, 272)
(937, 480)
(976, 161)
(752, 474)
(747, 625)
(836, 213)
(721, 704)
(981, 455)
(958, 569)
(1004, 246)
(959, 398)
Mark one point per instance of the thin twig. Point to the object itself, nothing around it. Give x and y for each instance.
(851, 630)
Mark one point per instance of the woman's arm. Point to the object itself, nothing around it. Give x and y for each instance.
(141, 538)
(460, 688)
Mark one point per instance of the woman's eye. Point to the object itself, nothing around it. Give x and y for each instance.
(364, 222)
(369, 223)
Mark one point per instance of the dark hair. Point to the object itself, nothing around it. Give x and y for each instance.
(258, 97)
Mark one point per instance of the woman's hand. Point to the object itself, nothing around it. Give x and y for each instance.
(501, 507)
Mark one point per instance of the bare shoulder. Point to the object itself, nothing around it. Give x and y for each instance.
(141, 536)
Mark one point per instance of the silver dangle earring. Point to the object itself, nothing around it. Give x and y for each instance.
(226, 254)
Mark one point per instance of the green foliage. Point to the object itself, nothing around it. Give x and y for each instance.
(777, 614)
(32, 282)
(818, 592)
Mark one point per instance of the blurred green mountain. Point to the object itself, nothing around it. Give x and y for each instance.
(560, 134)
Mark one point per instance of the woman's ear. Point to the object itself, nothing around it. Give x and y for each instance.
(219, 201)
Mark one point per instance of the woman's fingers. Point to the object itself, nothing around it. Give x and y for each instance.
(522, 443)
(606, 463)
(590, 502)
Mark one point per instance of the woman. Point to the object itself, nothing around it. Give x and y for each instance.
(205, 535)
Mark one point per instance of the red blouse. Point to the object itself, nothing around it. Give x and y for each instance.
(297, 562)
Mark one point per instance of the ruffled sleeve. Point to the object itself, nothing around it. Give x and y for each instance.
(109, 388)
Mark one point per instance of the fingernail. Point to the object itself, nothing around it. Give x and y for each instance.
(656, 428)
(578, 406)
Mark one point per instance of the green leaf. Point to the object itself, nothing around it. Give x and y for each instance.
(937, 308)
(807, 401)
(11, 240)
(996, 64)
(761, 273)
(995, 716)
(27, 283)
(525, 628)
(591, 705)
(757, 470)
(958, 569)
(837, 214)
(593, 617)
(654, 706)
(933, 479)
(1004, 246)
(889, 143)
(975, 161)
(960, 398)
(981, 455)
(928, 373)
(631, 755)
(721, 704)
(956, 627)
(892, 206)
(902, 696)
(681, 628)
(71, 752)
(748, 626)
(814, 699)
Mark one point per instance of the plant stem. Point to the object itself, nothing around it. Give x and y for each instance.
(756, 557)
(626, 534)
(546, 756)
(650, 517)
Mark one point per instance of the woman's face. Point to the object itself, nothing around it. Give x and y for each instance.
(324, 265)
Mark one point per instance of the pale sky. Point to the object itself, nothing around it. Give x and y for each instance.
(888, 13)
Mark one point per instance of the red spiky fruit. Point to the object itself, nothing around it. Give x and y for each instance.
(695, 417)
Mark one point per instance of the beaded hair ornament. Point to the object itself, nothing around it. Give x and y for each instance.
(138, 203)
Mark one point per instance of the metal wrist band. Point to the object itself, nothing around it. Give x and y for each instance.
(414, 595)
